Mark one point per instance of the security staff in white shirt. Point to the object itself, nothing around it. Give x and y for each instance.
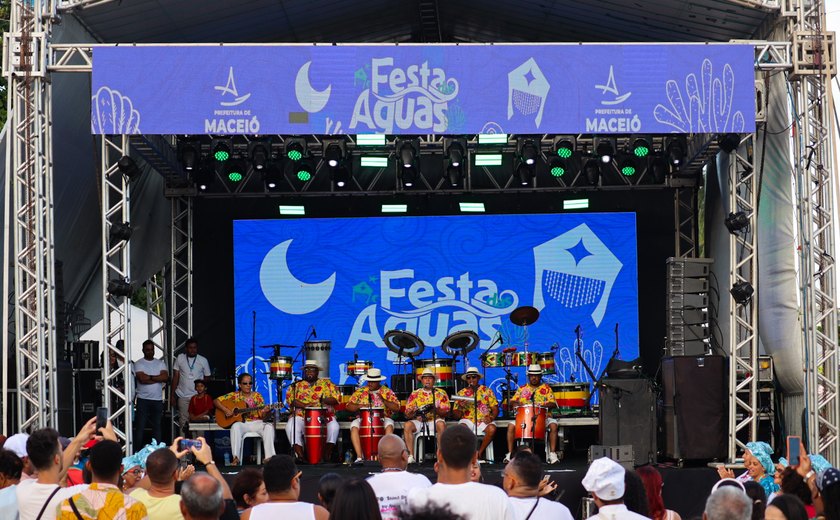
(150, 374)
(189, 366)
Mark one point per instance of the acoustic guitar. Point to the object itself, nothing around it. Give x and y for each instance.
(231, 404)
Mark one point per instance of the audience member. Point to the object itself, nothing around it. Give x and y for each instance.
(201, 498)
(455, 456)
(792, 483)
(11, 468)
(131, 477)
(162, 470)
(392, 485)
(755, 491)
(635, 496)
(786, 507)
(760, 467)
(728, 503)
(282, 482)
(605, 480)
(430, 512)
(652, 481)
(102, 499)
(521, 480)
(17, 445)
(249, 489)
(828, 484)
(355, 500)
(328, 485)
(204, 456)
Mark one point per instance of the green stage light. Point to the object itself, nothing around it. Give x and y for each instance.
(295, 148)
(565, 149)
(222, 148)
(234, 176)
(628, 170)
(557, 168)
(304, 175)
(641, 147)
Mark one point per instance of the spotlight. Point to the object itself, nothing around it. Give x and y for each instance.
(272, 177)
(303, 171)
(527, 151)
(408, 151)
(341, 175)
(454, 150)
(235, 170)
(564, 147)
(729, 142)
(221, 148)
(627, 167)
(335, 152)
(408, 176)
(675, 150)
(128, 167)
(259, 152)
(735, 222)
(119, 287)
(454, 174)
(119, 232)
(641, 147)
(203, 176)
(605, 148)
(295, 148)
(592, 170)
(525, 173)
(557, 167)
(659, 169)
(742, 292)
(189, 153)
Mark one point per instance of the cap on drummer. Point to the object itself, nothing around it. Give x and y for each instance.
(534, 375)
(427, 377)
(605, 480)
(311, 370)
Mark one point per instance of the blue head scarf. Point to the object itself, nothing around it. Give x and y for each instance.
(762, 452)
(139, 458)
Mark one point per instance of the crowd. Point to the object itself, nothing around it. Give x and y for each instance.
(44, 477)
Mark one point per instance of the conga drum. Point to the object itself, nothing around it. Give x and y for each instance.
(371, 429)
(546, 361)
(280, 368)
(444, 377)
(315, 433)
(526, 427)
(572, 398)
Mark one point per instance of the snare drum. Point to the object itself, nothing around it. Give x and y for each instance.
(442, 368)
(572, 398)
(315, 420)
(371, 429)
(358, 368)
(280, 368)
(546, 361)
(526, 427)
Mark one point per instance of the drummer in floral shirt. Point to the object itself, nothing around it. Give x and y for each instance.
(540, 394)
(430, 402)
(488, 408)
(312, 392)
(374, 395)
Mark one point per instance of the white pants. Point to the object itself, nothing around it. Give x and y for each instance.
(430, 425)
(239, 429)
(332, 431)
(358, 422)
(481, 426)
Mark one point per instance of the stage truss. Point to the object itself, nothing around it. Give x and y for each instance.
(30, 57)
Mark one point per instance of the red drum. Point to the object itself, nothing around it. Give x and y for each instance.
(280, 368)
(526, 427)
(371, 429)
(315, 433)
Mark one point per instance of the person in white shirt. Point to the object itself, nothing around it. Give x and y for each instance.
(150, 375)
(282, 482)
(605, 480)
(392, 485)
(189, 366)
(454, 489)
(522, 478)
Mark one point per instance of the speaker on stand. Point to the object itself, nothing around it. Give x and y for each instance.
(628, 416)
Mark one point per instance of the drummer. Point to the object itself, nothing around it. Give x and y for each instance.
(312, 392)
(374, 395)
(540, 394)
(430, 402)
(488, 408)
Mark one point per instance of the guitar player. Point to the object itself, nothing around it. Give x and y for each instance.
(251, 422)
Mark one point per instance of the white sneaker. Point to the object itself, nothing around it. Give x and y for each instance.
(411, 459)
(553, 458)
(507, 458)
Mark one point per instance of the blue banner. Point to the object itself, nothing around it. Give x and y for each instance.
(423, 89)
(355, 279)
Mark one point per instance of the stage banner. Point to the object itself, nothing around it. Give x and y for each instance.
(423, 89)
(352, 280)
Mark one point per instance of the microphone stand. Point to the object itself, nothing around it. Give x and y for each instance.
(253, 344)
(370, 424)
(533, 420)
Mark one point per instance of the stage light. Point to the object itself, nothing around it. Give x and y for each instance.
(675, 150)
(119, 231)
(492, 139)
(295, 148)
(729, 142)
(488, 159)
(576, 204)
(641, 147)
(408, 176)
(204, 175)
(128, 167)
(592, 171)
(272, 177)
(335, 152)
(370, 140)
(221, 148)
(525, 173)
(189, 153)
(735, 222)
(557, 167)
(119, 287)
(471, 207)
(742, 292)
(408, 151)
(259, 152)
(659, 169)
(304, 171)
(341, 176)
(394, 208)
(627, 167)
(292, 210)
(236, 169)
(605, 148)
(454, 175)
(527, 150)
(564, 147)
(454, 149)
(375, 162)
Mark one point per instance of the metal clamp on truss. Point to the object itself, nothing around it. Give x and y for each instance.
(814, 53)
(24, 54)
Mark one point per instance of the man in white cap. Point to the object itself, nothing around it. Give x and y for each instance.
(373, 395)
(605, 481)
(481, 397)
(17, 444)
(428, 402)
(535, 393)
(312, 392)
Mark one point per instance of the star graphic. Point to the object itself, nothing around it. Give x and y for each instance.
(529, 76)
(579, 252)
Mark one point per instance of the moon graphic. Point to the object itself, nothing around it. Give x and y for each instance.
(286, 292)
(310, 99)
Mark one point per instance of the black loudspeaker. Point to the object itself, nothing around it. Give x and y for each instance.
(64, 399)
(88, 390)
(628, 416)
(402, 383)
(695, 407)
(84, 354)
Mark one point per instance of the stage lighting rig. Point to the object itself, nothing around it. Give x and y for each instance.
(272, 177)
(742, 292)
(204, 175)
(528, 150)
(564, 147)
(408, 152)
(335, 152)
(128, 167)
(454, 151)
(408, 176)
(119, 287)
(525, 173)
(341, 175)
(659, 169)
(605, 148)
(189, 153)
(641, 147)
(627, 167)
(675, 150)
(295, 148)
(557, 167)
(221, 148)
(303, 170)
(119, 232)
(729, 142)
(735, 222)
(235, 170)
(259, 152)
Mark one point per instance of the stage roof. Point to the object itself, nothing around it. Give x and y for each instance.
(288, 21)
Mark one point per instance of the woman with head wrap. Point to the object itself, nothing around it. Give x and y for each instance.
(828, 484)
(759, 467)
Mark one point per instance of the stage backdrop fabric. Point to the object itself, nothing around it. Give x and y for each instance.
(354, 279)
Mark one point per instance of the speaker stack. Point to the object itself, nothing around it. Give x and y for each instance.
(628, 416)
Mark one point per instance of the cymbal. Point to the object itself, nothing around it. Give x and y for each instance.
(459, 343)
(523, 316)
(403, 343)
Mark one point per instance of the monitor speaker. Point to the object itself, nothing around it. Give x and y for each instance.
(628, 416)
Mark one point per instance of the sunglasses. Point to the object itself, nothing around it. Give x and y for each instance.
(472, 377)
(245, 383)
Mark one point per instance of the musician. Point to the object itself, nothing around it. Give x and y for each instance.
(312, 392)
(540, 394)
(245, 397)
(374, 395)
(488, 408)
(430, 402)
